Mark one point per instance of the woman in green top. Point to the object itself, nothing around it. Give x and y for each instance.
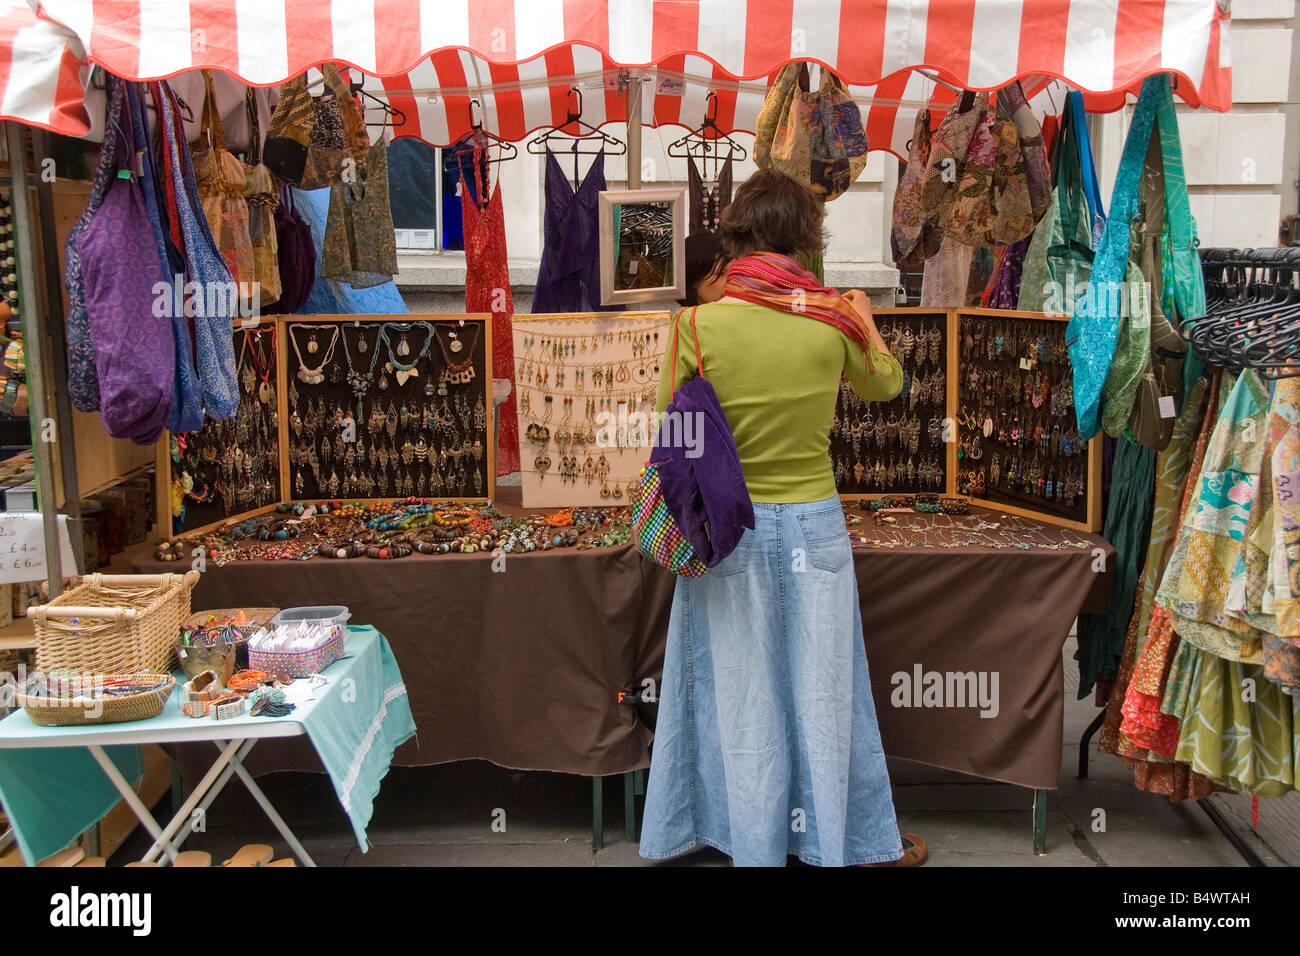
(767, 743)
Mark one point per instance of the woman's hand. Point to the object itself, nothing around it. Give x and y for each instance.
(861, 303)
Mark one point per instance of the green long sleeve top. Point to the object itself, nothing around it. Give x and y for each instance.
(777, 376)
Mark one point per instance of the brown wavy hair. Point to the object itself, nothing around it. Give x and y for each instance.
(772, 212)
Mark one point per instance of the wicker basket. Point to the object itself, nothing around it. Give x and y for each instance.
(60, 712)
(125, 624)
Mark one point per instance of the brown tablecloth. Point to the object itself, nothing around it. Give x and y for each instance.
(523, 667)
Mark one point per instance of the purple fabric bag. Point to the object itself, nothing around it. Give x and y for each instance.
(297, 256)
(134, 352)
(698, 466)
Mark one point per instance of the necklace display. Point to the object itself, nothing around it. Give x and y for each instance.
(1018, 444)
(233, 465)
(897, 446)
(367, 426)
(984, 529)
(587, 391)
(400, 529)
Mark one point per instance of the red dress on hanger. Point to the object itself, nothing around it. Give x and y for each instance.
(487, 289)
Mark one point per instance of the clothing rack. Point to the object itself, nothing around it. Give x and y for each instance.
(1252, 310)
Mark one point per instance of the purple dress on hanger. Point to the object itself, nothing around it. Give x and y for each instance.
(568, 279)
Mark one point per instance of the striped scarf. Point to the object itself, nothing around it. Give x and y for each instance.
(780, 283)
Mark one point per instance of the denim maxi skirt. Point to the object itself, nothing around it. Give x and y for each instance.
(767, 743)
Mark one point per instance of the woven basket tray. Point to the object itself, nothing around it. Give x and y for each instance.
(57, 712)
(124, 624)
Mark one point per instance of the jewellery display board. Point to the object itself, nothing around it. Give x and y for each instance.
(230, 469)
(900, 446)
(1018, 446)
(587, 387)
(388, 407)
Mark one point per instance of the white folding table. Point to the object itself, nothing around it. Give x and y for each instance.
(233, 739)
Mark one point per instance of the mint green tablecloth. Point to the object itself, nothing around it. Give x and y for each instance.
(54, 794)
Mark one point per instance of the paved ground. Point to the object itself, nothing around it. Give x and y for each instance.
(445, 816)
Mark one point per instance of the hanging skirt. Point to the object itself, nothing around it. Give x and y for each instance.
(767, 743)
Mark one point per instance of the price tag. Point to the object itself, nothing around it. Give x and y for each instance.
(1026, 364)
(631, 266)
(1167, 409)
(22, 547)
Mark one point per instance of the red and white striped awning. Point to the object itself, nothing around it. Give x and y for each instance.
(42, 72)
(519, 57)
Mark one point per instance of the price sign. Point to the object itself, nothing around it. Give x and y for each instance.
(22, 547)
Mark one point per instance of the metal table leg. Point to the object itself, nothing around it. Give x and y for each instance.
(1040, 822)
(205, 792)
(132, 799)
(629, 805)
(270, 812)
(597, 813)
(7, 839)
(1086, 739)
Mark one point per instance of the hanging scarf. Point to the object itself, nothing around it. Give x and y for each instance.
(780, 283)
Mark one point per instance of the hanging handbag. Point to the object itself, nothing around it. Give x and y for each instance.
(135, 359)
(187, 401)
(83, 381)
(1158, 400)
(215, 308)
(814, 136)
(221, 182)
(1058, 264)
(976, 189)
(310, 138)
(296, 254)
(1094, 326)
(910, 227)
(262, 198)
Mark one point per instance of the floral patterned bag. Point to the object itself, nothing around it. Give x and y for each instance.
(977, 187)
(814, 136)
(221, 181)
(263, 198)
(310, 138)
(910, 227)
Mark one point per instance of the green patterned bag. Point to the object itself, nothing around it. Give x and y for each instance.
(1058, 263)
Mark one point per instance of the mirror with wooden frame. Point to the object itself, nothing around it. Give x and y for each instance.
(642, 245)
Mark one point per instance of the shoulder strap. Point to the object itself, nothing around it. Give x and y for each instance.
(677, 334)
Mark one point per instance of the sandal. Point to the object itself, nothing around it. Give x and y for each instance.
(188, 858)
(255, 854)
(915, 852)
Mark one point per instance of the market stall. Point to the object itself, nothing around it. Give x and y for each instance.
(524, 664)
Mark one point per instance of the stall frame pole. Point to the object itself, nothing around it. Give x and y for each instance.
(35, 347)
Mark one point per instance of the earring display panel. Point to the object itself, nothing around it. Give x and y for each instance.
(385, 408)
(1018, 444)
(231, 468)
(898, 446)
(587, 387)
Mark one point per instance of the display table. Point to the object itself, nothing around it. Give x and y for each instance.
(523, 666)
(354, 721)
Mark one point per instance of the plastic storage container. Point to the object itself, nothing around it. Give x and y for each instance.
(324, 614)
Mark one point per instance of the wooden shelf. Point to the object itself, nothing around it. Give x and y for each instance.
(19, 635)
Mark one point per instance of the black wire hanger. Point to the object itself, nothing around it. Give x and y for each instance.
(594, 140)
(707, 140)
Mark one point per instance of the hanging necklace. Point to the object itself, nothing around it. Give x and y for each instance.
(262, 362)
(403, 370)
(358, 380)
(306, 374)
(462, 372)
